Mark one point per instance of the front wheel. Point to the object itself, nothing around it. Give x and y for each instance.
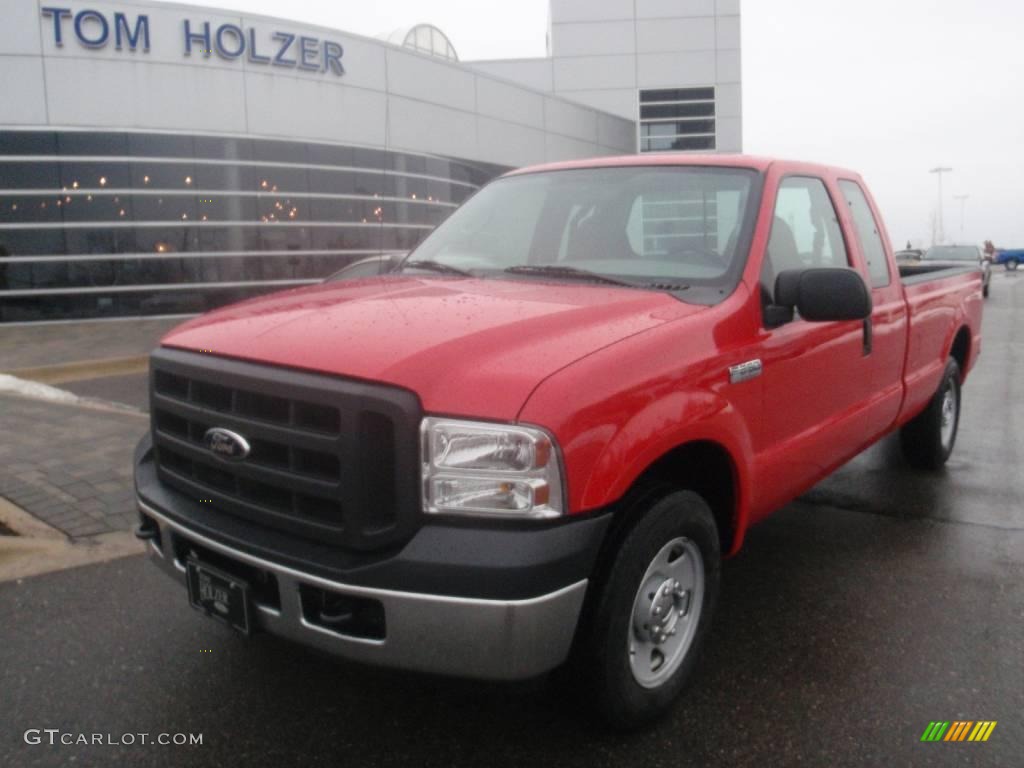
(1011, 265)
(928, 438)
(653, 612)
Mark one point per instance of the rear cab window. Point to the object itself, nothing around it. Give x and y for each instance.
(869, 234)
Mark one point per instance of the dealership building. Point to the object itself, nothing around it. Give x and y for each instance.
(158, 158)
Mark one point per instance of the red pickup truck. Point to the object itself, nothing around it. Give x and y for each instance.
(534, 441)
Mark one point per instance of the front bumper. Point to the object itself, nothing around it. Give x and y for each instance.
(456, 632)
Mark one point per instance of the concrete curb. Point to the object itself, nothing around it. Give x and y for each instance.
(34, 390)
(39, 549)
(26, 525)
(83, 370)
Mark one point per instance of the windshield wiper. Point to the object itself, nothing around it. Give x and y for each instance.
(555, 270)
(667, 286)
(434, 266)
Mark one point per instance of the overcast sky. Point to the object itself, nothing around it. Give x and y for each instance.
(890, 88)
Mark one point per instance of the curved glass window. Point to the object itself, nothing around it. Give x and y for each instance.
(187, 223)
(425, 38)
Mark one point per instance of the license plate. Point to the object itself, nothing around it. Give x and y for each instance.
(219, 595)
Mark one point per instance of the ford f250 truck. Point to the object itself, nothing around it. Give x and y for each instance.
(534, 441)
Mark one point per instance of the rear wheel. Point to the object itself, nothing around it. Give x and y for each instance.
(928, 439)
(652, 612)
(1011, 265)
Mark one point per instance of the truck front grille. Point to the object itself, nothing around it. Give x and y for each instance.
(330, 459)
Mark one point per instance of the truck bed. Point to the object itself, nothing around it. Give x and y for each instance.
(940, 301)
(914, 274)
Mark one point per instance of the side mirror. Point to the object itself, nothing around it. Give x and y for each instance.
(824, 294)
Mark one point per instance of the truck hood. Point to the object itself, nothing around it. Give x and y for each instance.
(471, 347)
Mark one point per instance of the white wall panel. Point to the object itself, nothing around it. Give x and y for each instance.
(19, 32)
(664, 9)
(666, 70)
(24, 99)
(510, 144)
(593, 38)
(300, 108)
(728, 32)
(671, 35)
(728, 66)
(420, 77)
(149, 95)
(617, 101)
(417, 126)
(564, 148)
(533, 73)
(590, 72)
(730, 134)
(728, 98)
(728, 7)
(567, 119)
(589, 10)
(617, 134)
(509, 102)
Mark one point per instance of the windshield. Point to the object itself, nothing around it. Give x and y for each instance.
(678, 227)
(952, 253)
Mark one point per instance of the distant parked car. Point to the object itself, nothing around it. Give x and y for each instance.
(380, 264)
(909, 254)
(957, 256)
(1010, 259)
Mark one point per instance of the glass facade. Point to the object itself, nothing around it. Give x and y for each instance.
(97, 224)
(677, 119)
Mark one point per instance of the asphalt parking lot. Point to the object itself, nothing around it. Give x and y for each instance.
(880, 601)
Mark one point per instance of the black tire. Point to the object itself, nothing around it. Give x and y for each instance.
(1011, 265)
(922, 438)
(602, 660)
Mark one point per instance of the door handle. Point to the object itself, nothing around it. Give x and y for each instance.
(745, 371)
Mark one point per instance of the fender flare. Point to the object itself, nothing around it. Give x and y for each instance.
(683, 418)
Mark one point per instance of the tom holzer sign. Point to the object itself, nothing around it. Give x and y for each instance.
(120, 31)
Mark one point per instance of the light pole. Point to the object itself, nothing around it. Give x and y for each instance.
(963, 204)
(939, 171)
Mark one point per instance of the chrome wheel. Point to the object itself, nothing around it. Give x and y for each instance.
(666, 612)
(948, 416)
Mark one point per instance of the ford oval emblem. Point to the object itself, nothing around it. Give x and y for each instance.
(226, 444)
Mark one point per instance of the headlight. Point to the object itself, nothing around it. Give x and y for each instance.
(476, 468)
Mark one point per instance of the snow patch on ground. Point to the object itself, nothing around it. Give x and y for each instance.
(35, 390)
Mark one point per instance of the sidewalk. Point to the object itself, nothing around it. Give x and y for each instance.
(36, 346)
(69, 465)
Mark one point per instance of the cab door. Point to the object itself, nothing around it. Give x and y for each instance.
(889, 326)
(815, 375)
